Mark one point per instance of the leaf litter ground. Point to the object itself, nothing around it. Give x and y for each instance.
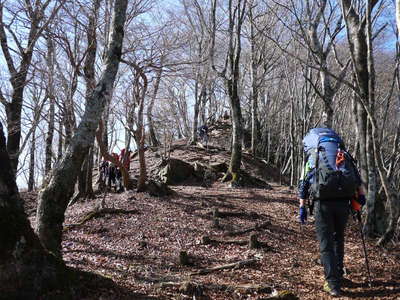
(135, 255)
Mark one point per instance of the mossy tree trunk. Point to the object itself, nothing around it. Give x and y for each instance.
(231, 76)
(26, 269)
(54, 199)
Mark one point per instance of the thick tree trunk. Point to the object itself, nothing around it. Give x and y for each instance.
(328, 95)
(26, 270)
(360, 41)
(237, 132)
(237, 13)
(89, 71)
(54, 199)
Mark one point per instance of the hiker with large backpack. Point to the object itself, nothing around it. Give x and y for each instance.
(330, 180)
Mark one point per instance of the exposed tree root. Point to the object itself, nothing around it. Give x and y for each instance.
(252, 242)
(207, 240)
(223, 214)
(99, 213)
(249, 229)
(235, 265)
(190, 287)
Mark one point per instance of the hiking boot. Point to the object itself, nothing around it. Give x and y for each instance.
(334, 292)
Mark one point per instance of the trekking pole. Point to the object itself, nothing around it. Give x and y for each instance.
(358, 215)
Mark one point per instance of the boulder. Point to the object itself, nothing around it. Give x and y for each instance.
(219, 167)
(176, 171)
(158, 189)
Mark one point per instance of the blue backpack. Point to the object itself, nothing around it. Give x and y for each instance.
(335, 173)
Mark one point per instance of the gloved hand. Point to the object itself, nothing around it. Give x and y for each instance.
(303, 214)
(361, 199)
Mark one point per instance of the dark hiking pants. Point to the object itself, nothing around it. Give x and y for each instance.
(330, 222)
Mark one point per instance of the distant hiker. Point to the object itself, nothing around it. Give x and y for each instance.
(119, 186)
(115, 155)
(103, 170)
(111, 176)
(125, 158)
(330, 178)
(203, 133)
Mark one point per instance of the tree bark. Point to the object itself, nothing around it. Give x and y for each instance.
(254, 86)
(152, 134)
(54, 199)
(31, 180)
(398, 17)
(231, 79)
(50, 95)
(26, 270)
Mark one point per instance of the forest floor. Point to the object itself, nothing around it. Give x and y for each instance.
(135, 254)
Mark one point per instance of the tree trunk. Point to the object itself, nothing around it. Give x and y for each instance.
(31, 180)
(398, 17)
(360, 41)
(51, 97)
(26, 270)
(54, 199)
(141, 186)
(237, 132)
(60, 140)
(328, 95)
(152, 134)
(196, 109)
(254, 87)
(89, 175)
(232, 79)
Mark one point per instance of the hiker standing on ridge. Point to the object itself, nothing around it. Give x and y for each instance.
(203, 133)
(331, 180)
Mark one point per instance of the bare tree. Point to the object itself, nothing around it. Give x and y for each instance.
(230, 73)
(359, 31)
(54, 199)
(19, 60)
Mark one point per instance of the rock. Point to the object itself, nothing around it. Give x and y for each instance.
(282, 295)
(191, 288)
(176, 171)
(158, 189)
(184, 258)
(246, 180)
(219, 167)
(199, 170)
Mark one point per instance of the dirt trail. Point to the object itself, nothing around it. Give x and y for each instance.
(140, 251)
(135, 255)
